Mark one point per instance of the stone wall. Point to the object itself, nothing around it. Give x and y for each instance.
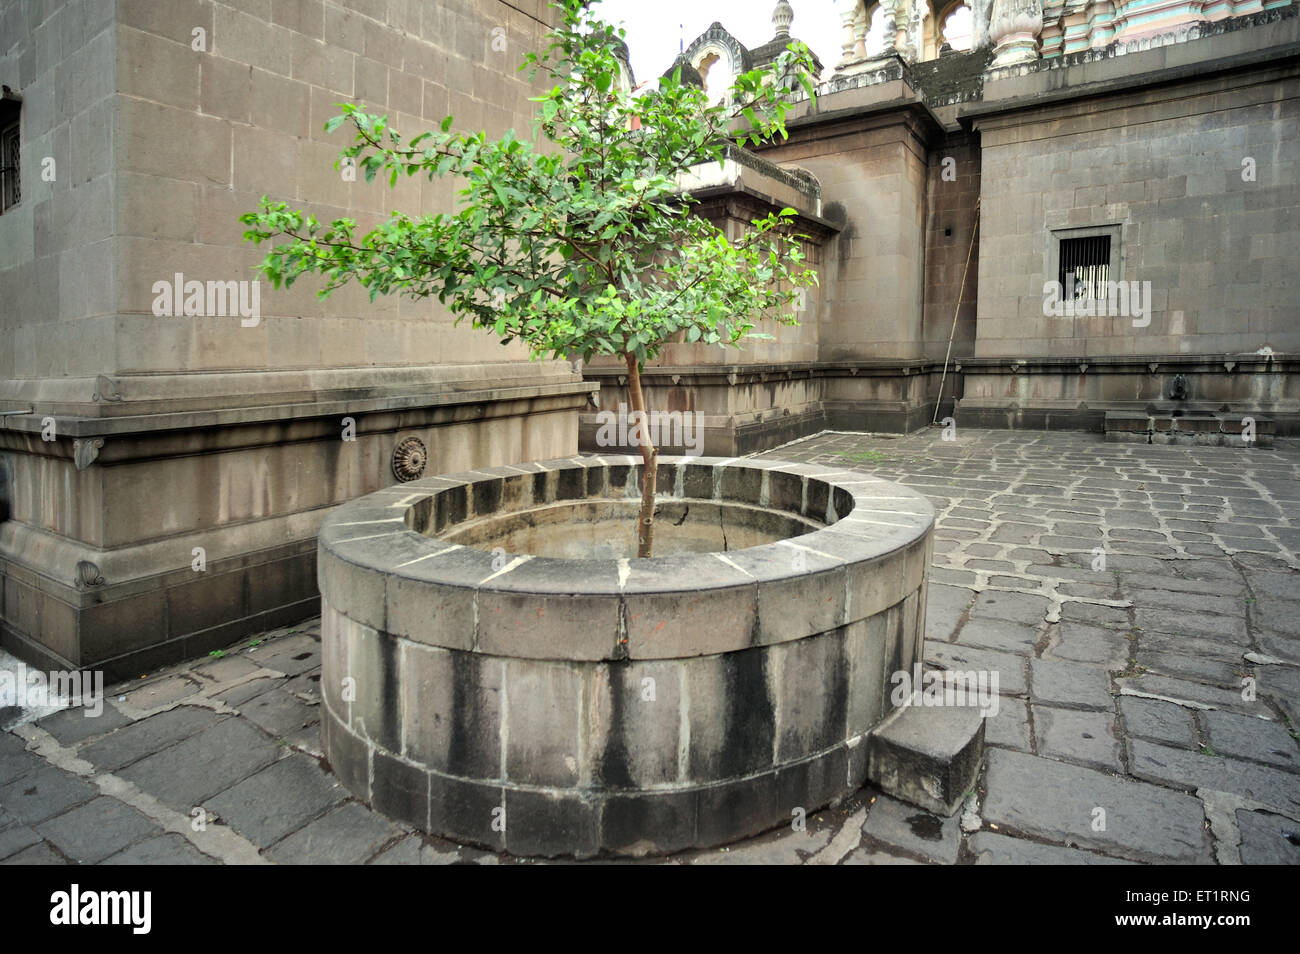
(1201, 178)
(172, 503)
(161, 146)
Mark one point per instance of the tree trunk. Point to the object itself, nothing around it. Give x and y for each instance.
(650, 458)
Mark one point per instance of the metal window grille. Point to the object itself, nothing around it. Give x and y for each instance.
(10, 191)
(1085, 267)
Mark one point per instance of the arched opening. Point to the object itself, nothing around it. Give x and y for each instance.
(715, 69)
(957, 28)
(872, 18)
(953, 30)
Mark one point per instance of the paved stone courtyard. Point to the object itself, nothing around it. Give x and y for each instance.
(1140, 605)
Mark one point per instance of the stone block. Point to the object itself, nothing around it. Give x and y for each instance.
(158, 69)
(451, 711)
(168, 849)
(43, 793)
(400, 790)
(350, 834)
(544, 725)
(1057, 802)
(148, 736)
(199, 767)
(634, 720)
(649, 822)
(732, 710)
(1076, 736)
(928, 756)
(552, 823)
(814, 694)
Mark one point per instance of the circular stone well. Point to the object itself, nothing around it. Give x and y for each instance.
(499, 668)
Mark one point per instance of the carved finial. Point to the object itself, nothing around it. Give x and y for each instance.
(781, 18)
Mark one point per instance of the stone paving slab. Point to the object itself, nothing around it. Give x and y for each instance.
(1140, 604)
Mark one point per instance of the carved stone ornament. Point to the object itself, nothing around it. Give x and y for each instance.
(85, 450)
(409, 459)
(88, 575)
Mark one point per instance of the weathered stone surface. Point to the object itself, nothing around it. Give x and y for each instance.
(278, 713)
(277, 800)
(288, 654)
(1078, 736)
(1010, 726)
(928, 755)
(15, 837)
(405, 852)
(1193, 770)
(1259, 740)
(1094, 645)
(38, 854)
(44, 792)
(991, 848)
(1199, 694)
(148, 736)
(161, 692)
(1268, 839)
(199, 767)
(1009, 667)
(1016, 607)
(1058, 802)
(864, 856)
(998, 634)
(1069, 684)
(918, 832)
(168, 849)
(1158, 721)
(944, 607)
(71, 726)
(350, 834)
(15, 760)
(90, 833)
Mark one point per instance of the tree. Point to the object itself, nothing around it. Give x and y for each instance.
(582, 250)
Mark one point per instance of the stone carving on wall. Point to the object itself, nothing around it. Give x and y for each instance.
(88, 575)
(85, 450)
(409, 459)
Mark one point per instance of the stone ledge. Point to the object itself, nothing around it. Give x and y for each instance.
(928, 755)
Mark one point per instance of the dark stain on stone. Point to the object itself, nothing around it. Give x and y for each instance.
(750, 717)
(465, 754)
(572, 484)
(614, 772)
(487, 496)
(925, 826)
(390, 686)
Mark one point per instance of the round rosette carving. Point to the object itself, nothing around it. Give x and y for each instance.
(409, 459)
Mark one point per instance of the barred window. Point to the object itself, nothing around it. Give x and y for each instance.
(1084, 267)
(10, 189)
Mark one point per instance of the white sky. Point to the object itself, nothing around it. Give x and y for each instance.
(656, 29)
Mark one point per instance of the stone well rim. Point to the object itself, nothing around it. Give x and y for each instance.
(891, 535)
(375, 569)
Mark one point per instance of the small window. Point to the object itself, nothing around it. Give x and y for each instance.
(10, 189)
(1084, 267)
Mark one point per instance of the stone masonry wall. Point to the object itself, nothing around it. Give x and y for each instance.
(1172, 167)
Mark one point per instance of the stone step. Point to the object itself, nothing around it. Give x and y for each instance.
(928, 756)
(1211, 429)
